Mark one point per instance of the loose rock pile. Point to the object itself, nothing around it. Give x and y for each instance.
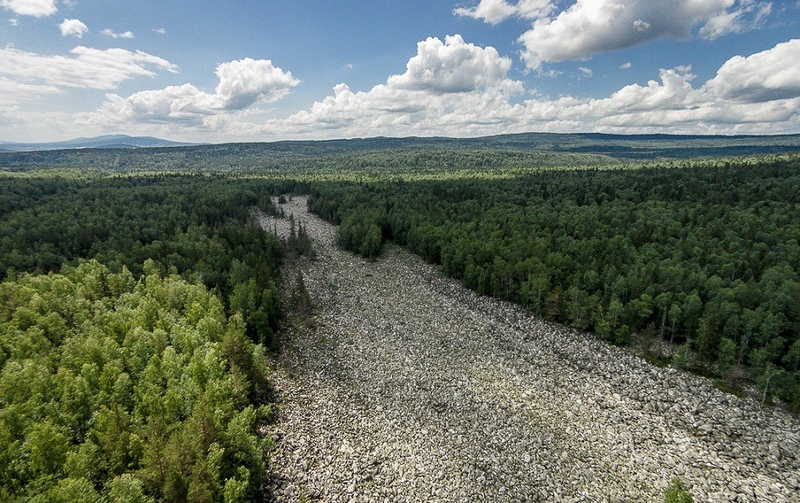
(408, 387)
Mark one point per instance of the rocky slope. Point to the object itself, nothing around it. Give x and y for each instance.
(407, 387)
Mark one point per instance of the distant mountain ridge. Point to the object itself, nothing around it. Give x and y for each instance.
(105, 141)
(622, 147)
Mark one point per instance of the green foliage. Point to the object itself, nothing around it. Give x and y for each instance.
(706, 255)
(299, 242)
(726, 358)
(676, 493)
(681, 358)
(257, 306)
(70, 490)
(139, 391)
(126, 489)
(196, 226)
(372, 243)
(360, 233)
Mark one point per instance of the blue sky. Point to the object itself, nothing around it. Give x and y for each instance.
(265, 70)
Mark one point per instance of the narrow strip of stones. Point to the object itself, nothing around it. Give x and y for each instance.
(407, 387)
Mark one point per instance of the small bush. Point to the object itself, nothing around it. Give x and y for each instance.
(676, 493)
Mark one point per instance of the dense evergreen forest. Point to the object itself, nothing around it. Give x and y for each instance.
(705, 258)
(140, 375)
(334, 158)
(194, 225)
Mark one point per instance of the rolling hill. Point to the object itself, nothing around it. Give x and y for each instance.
(106, 141)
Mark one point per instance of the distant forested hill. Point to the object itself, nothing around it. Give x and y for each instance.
(504, 151)
(106, 141)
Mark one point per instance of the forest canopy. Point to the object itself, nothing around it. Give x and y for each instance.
(200, 227)
(125, 389)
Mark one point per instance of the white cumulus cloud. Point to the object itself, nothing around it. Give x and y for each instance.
(589, 27)
(673, 91)
(242, 83)
(74, 27)
(451, 67)
(491, 11)
(246, 81)
(35, 8)
(445, 85)
(769, 75)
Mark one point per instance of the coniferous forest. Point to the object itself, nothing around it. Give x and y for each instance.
(138, 306)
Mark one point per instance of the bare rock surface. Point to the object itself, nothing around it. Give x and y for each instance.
(407, 387)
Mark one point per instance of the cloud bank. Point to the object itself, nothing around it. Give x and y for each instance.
(757, 93)
(445, 85)
(449, 87)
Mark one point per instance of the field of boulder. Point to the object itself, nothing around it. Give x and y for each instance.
(404, 386)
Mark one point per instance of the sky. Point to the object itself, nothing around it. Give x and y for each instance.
(247, 70)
